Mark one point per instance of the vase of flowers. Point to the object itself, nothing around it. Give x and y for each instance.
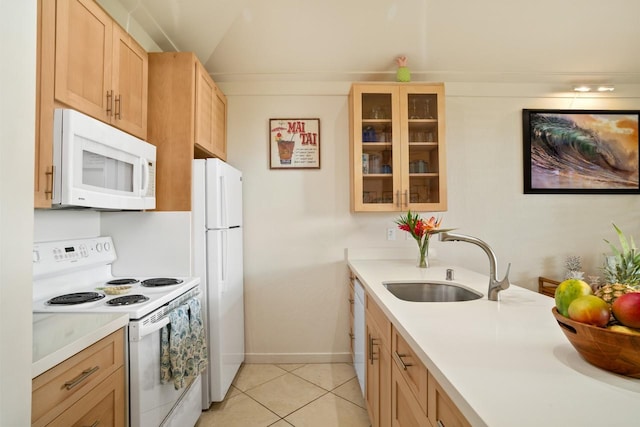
(421, 230)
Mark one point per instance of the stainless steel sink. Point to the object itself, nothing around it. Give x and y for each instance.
(431, 291)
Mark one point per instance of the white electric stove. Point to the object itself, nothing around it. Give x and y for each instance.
(76, 276)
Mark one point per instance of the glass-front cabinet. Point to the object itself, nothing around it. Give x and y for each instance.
(397, 147)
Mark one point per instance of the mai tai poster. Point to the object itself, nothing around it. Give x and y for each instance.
(581, 151)
(294, 143)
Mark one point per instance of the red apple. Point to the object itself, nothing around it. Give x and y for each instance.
(627, 309)
(590, 309)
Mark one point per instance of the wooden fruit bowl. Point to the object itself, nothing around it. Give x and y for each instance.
(612, 351)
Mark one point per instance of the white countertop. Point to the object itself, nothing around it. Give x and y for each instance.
(504, 363)
(56, 337)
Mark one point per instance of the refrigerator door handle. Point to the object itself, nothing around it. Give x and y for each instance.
(225, 261)
(224, 220)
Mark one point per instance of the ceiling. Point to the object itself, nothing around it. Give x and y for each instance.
(574, 41)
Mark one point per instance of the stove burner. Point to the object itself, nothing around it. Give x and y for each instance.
(128, 300)
(75, 298)
(161, 281)
(122, 281)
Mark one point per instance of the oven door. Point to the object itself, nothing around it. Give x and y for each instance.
(152, 403)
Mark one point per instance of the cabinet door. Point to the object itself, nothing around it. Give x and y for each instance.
(219, 122)
(372, 384)
(351, 321)
(377, 366)
(442, 411)
(411, 368)
(43, 159)
(83, 57)
(130, 84)
(375, 139)
(205, 94)
(405, 410)
(422, 147)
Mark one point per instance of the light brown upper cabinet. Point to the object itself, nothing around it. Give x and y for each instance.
(187, 120)
(397, 147)
(211, 115)
(87, 62)
(99, 69)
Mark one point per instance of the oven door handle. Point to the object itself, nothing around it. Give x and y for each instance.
(137, 330)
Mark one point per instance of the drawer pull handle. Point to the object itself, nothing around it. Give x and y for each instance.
(399, 357)
(351, 300)
(83, 376)
(96, 424)
(440, 423)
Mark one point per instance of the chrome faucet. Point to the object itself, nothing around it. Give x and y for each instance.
(495, 285)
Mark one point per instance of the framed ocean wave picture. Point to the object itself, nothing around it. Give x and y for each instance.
(581, 151)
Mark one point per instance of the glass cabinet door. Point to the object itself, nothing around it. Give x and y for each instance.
(375, 132)
(421, 159)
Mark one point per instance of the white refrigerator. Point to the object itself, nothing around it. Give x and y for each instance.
(217, 258)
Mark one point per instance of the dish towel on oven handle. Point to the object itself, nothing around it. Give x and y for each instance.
(183, 350)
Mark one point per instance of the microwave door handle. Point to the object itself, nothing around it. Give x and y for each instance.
(145, 176)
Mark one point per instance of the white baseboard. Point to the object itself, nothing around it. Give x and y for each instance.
(298, 358)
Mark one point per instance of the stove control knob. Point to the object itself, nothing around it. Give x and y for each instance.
(99, 247)
(107, 246)
(36, 256)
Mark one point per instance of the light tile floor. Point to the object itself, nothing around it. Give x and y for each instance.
(285, 395)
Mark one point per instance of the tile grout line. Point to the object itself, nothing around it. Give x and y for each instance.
(326, 392)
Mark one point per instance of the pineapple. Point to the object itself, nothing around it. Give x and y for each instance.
(611, 292)
(626, 268)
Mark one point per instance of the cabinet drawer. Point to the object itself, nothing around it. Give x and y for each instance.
(378, 316)
(411, 368)
(405, 410)
(102, 406)
(63, 385)
(442, 411)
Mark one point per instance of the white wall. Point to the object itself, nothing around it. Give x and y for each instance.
(17, 116)
(298, 223)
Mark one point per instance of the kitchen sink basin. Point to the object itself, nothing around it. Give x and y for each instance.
(431, 291)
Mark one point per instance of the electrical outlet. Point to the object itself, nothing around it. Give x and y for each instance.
(391, 234)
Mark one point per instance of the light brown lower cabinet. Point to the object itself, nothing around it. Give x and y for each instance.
(400, 391)
(378, 365)
(86, 389)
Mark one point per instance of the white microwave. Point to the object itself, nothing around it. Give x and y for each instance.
(98, 166)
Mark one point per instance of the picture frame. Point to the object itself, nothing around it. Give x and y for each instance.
(294, 143)
(581, 151)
